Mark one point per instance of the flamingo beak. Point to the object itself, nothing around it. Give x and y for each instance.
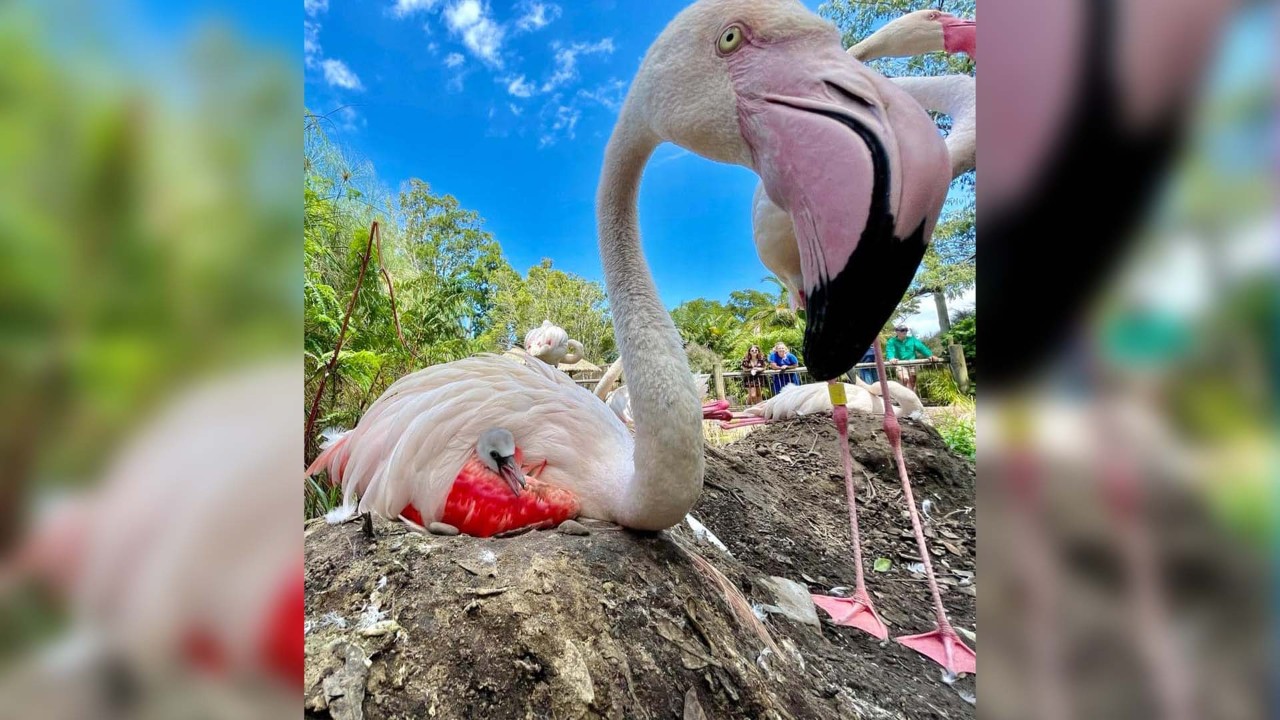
(958, 35)
(510, 472)
(862, 171)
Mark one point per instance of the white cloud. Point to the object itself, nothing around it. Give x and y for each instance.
(924, 322)
(537, 15)
(453, 60)
(567, 60)
(470, 20)
(609, 94)
(315, 7)
(337, 74)
(405, 8)
(311, 43)
(519, 87)
(559, 120)
(350, 119)
(515, 110)
(434, 47)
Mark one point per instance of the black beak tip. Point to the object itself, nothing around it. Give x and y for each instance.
(828, 348)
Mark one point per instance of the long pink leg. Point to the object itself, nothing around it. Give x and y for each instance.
(856, 611)
(942, 645)
(1123, 492)
(1039, 569)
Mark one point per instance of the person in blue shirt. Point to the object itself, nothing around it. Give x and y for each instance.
(868, 374)
(781, 359)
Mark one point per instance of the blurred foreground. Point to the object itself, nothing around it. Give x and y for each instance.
(1127, 494)
(149, 287)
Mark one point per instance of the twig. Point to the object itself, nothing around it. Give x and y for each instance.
(342, 334)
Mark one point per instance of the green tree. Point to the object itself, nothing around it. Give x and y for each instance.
(709, 323)
(576, 304)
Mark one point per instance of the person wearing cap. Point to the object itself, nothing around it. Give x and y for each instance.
(905, 346)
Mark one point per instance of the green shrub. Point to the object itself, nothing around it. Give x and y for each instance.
(960, 434)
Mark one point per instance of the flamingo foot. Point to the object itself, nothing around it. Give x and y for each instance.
(717, 405)
(944, 647)
(856, 611)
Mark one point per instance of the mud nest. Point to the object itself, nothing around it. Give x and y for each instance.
(621, 624)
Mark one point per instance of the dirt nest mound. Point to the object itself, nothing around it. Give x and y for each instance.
(621, 624)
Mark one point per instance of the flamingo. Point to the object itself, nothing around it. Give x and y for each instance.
(882, 275)
(815, 398)
(619, 399)
(179, 555)
(759, 83)
(552, 345)
(920, 32)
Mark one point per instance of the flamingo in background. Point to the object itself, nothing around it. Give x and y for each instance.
(918, 33)
(552, 345)
(759, 83)
(815, 399)
(619, 399)
(881, 272)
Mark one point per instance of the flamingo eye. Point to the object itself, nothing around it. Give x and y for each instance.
(730, 39)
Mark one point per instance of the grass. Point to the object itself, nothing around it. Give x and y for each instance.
(957, 426)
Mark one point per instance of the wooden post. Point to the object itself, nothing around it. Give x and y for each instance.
(959, 370)
(718, 371)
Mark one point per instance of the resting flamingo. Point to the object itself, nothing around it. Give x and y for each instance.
(815, 399)
(551, 344)
(619, 399)
(760, 83)
(881, 274)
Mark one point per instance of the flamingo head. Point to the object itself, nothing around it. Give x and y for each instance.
(917, 33)
(856, 163)
(497, 450)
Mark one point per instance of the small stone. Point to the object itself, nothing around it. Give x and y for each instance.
(439, 528)
(573, 527)
(378, 629)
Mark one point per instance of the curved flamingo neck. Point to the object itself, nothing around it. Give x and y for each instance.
(955, 95)
(668, 458)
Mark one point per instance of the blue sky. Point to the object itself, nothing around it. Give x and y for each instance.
(507, 105)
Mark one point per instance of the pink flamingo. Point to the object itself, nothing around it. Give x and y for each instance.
(179, 556)
(881, 274)
(552, 345)
(760, 83)
(815, 399)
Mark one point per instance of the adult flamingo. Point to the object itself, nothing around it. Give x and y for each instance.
(815, 399)
(918, 33)
(165, 564)
(759, 83)
(882, 279)
(552, 345)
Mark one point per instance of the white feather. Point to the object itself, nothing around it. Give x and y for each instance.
(411, 443)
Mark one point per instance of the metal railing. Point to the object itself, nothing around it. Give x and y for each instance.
(802, 371)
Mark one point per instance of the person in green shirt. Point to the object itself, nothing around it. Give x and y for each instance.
(905, 346)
